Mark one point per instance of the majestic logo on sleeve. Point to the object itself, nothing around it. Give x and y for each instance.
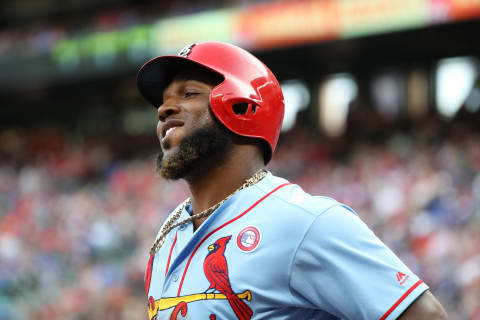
(216, 271)
(401, 277)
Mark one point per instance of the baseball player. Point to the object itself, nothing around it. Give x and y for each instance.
(247, 244)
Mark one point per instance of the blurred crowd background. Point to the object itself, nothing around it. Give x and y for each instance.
(382, 115)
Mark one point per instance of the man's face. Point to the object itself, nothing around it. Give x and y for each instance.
(188, 133)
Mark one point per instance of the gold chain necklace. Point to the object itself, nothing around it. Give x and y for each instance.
(170, 224)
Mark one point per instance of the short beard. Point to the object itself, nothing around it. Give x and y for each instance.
(202, 147)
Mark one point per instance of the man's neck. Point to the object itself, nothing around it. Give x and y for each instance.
(213, 183)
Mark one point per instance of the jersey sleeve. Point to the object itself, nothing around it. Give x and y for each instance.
(342, 268)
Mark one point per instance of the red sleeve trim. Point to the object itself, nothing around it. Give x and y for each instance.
(220, 227)
(170, 254)
(419, 282)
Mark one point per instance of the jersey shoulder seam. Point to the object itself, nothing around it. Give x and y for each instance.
(312, 213)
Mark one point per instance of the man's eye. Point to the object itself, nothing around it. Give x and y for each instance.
(189, 94)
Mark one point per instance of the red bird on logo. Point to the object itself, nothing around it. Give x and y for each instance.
(216, 271)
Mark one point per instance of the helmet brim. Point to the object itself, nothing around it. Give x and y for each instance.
(155, 75)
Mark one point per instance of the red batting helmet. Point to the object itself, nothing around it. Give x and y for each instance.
(249, 101)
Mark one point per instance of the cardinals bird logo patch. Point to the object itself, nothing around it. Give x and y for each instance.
(216, 270)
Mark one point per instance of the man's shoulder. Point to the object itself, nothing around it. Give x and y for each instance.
(292, 197)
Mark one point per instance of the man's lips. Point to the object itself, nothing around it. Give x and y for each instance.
(170, 124)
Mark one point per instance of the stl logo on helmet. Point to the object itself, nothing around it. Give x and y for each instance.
(186, 51)
(248, 239)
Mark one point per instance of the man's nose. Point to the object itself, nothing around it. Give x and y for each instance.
(167, 109)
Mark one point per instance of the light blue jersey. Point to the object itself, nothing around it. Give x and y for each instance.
(272, 251)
